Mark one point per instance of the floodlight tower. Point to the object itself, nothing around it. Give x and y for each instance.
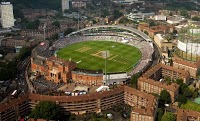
(105, 66)
(44, 28)
(106, 54)
(78, 14)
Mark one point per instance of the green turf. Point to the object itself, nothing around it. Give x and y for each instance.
(122, 57)
(191, 106)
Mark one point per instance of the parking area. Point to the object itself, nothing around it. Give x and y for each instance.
(43, 87)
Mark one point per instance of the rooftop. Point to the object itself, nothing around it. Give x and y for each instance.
(186, 63)
(88, 71)
(187, 115)
(172, 87)
(151, 71)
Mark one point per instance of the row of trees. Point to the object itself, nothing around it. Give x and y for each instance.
(8, 70)
(48, 110)
(164, 98)
(185, 93)
(187, 5)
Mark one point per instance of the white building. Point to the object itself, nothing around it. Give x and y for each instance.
(139, 16)
(160, 18)
(175, 19)
(7, 17)
(125, 1)
(65, 5)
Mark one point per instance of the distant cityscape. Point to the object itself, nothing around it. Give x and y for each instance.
(100, 60)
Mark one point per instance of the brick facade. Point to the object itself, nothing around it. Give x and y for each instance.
(150, 82)
(87, 78)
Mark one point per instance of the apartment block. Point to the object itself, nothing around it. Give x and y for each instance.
(152, 80)
(144, 104)
(187, 115)
(192, 67)
(7, 16)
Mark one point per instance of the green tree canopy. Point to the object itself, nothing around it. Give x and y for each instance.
(46, 110)
(196, 18)
(134, 79)
(69, 30)
(160, 114)
(56, 23)
(168, 117)
(33, 24)
(188, 92)
(117, 14)
(165, 97)
(182, 99)
(179, 81)
(184, 13)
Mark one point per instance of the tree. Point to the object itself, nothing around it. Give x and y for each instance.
(56, 23)
(184, 13)
(182, 88)
(165, 97)
(168, 117)
(46, 110)
(117, 14)
(196, 18)
(152, 23)
(134, 80)
(179, 81)
(182, 99)
(105, 13)
(160, 114)
(69, 30)
(24, 52)
(188, 92)
(168, 80)
(33, 24)
(195, 94)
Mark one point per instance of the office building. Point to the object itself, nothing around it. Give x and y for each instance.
(7, 17)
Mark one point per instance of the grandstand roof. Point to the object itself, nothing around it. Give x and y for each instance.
(88, 71)
(143, 35)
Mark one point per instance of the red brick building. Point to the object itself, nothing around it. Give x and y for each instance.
(54, 69)
(87, 77)
(153, 30)
(192, 67)
(144, 104)
(18, 41)
(152, 80)
(59, 70)
(187, 115)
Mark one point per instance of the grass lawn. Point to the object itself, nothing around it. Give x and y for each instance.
(191, 106)
(89, 55)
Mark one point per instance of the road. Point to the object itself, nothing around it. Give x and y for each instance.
(21, 77)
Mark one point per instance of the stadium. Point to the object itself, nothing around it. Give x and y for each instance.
(124, 49)
(188, 46)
